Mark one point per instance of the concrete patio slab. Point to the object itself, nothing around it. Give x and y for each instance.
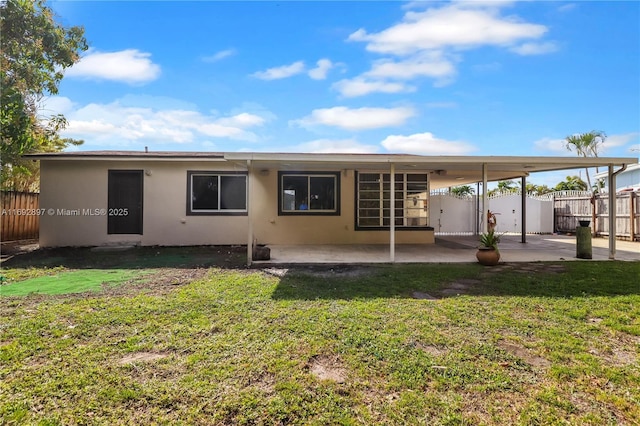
(451, 249)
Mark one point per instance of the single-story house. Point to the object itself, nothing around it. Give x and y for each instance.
(96, 198)
(627, 180)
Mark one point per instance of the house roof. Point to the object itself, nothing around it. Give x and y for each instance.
(445, 170)
(121, 155)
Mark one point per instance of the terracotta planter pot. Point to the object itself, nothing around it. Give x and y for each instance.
(488, 256)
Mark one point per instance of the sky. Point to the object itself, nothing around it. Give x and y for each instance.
(432, 78)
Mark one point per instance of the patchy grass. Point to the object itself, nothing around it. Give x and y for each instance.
(542, 343)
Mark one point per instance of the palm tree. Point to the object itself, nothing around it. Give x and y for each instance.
(571, 183)
(463, 190)
(586, 145)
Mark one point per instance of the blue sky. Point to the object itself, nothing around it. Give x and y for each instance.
(433, 78)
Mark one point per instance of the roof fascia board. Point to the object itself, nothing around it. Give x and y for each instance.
(552, 162)
(122, 158)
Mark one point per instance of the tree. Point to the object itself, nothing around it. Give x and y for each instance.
(463, 190)
(504, 187)
(586, 145)
(538, 189)
(571, 183)
(35, 50)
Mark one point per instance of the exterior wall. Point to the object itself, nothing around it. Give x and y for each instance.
(269, 228)
(72, 185)
(629, 179)
(77, 185)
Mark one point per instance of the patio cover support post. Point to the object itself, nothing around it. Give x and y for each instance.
(392, 215)
(249, 216)
(523, 199)
(613, 199)
(612, 213)
(477, 221)
(485, 201)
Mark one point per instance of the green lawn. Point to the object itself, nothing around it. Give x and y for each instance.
(540, 343)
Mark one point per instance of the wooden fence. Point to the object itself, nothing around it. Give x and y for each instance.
(570, 208)
(20, 216)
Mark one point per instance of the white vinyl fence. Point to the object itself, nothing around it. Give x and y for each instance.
(453, 215)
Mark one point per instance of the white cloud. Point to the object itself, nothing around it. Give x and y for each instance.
(557, 146)
(425, 144)
(328, 146)
(321, 70)
(356, 119)
(128, 66)
(620, 140)
(428, 64)
(567, 7)
(430, 43)
(528, 49)
(452, 26)
(283, 71)
(116, 124)
(553, 145)
(220, 55)
(359, 86)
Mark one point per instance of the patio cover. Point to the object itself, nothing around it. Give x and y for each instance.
(445, 171)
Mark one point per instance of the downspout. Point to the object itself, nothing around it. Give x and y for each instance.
(612, 209)
(249, 216)
(392, 215)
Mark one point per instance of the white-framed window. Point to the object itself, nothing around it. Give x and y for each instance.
(216, 193)
(309, 193)
(373, 198)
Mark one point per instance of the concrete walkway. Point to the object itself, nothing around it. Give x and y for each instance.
(452, 249)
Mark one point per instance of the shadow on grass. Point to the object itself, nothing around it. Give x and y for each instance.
(130, 258)
(541, 279)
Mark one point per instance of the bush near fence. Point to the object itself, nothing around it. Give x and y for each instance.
(20, 216)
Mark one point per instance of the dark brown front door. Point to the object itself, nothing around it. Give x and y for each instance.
(125, 202)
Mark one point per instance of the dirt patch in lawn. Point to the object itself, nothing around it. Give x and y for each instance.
(524, 354)
(326, 367)
(141, 357)
(159, 281)
(334, 271)
(430, 349)
(620, 352)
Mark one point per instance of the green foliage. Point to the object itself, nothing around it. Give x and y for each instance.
(463, 190)
(504, 187)
(571, 183)
(35, 51)
(490, 240)
(586, 145)
(538, 189)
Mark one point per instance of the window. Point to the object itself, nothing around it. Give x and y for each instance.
(211, 193)
(308, 193)
(373, 193)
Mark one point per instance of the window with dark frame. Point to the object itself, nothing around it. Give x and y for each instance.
(373, 198)
(309, 193)
(214, 193)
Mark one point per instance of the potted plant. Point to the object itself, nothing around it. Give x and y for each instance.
(488, 253)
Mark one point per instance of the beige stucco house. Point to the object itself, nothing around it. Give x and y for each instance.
(203, 198)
